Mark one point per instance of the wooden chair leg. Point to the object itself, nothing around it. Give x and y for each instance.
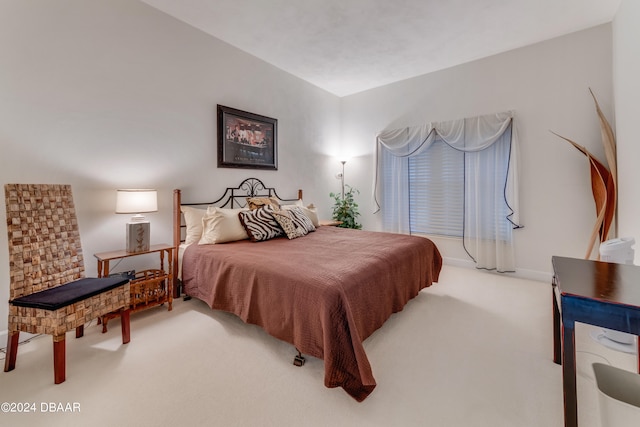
(126, 327)
(80, 331)
(104, 320)
(59, 369)
(12, 351)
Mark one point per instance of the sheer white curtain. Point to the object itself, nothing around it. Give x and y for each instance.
(490, 182)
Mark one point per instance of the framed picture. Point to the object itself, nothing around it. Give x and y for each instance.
(246, 140)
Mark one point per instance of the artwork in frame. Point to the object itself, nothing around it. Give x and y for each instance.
(246, 140)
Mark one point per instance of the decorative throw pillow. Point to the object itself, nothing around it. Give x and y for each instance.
(286, 222)
(222, 225)
(301, 220)
(193, 221)
(310, 211)
(258, 202)
(260, 224)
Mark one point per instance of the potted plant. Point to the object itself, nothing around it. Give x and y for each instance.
(345, 209)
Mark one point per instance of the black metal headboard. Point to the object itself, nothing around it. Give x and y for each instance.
(236, 197)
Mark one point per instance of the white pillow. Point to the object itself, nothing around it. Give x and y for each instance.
(193, 221)
(221, 225)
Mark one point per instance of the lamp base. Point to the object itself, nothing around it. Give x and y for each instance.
(138, 236)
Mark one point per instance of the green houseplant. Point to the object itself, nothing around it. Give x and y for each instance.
(345, 209)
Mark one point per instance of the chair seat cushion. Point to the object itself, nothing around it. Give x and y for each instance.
(69, 293)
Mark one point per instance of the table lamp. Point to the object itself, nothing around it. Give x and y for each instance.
(137, 201)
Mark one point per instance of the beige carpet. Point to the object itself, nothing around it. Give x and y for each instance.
(473, 350)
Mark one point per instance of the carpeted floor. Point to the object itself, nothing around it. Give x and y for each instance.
(473, 350)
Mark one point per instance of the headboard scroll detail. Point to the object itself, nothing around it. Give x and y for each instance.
(236, 197)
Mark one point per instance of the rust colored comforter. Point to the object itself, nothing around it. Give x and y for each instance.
(325, 293)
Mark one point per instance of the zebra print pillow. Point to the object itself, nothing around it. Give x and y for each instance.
(260, 224)
(301, 220)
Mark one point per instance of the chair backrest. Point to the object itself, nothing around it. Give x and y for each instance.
(44, 241)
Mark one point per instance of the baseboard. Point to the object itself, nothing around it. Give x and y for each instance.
(520, 273)
(539, 276)
(457, 262)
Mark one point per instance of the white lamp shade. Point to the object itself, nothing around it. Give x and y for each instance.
(136, 201)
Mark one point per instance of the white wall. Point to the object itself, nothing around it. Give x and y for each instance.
(115, 94)
(626, 80)
(547, 85)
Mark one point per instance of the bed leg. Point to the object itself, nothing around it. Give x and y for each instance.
(299, 359)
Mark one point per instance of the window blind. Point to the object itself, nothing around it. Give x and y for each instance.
(436, 191)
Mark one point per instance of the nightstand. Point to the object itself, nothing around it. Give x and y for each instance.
(149, 288)
(329, 222)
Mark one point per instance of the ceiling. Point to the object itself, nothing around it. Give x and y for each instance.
(348, 46)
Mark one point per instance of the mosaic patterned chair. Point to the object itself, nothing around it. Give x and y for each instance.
(48, 291)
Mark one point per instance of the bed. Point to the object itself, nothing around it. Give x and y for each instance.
(324, 292)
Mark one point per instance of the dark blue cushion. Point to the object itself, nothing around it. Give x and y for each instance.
(69, 293)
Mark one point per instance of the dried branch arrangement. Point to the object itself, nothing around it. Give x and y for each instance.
(604, 182)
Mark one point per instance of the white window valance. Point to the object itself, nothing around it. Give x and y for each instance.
(492, 134)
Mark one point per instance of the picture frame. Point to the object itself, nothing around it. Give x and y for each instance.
(246, 140)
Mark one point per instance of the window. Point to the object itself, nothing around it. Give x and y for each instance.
(456, 178)
(436, 179)
(436, 191)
